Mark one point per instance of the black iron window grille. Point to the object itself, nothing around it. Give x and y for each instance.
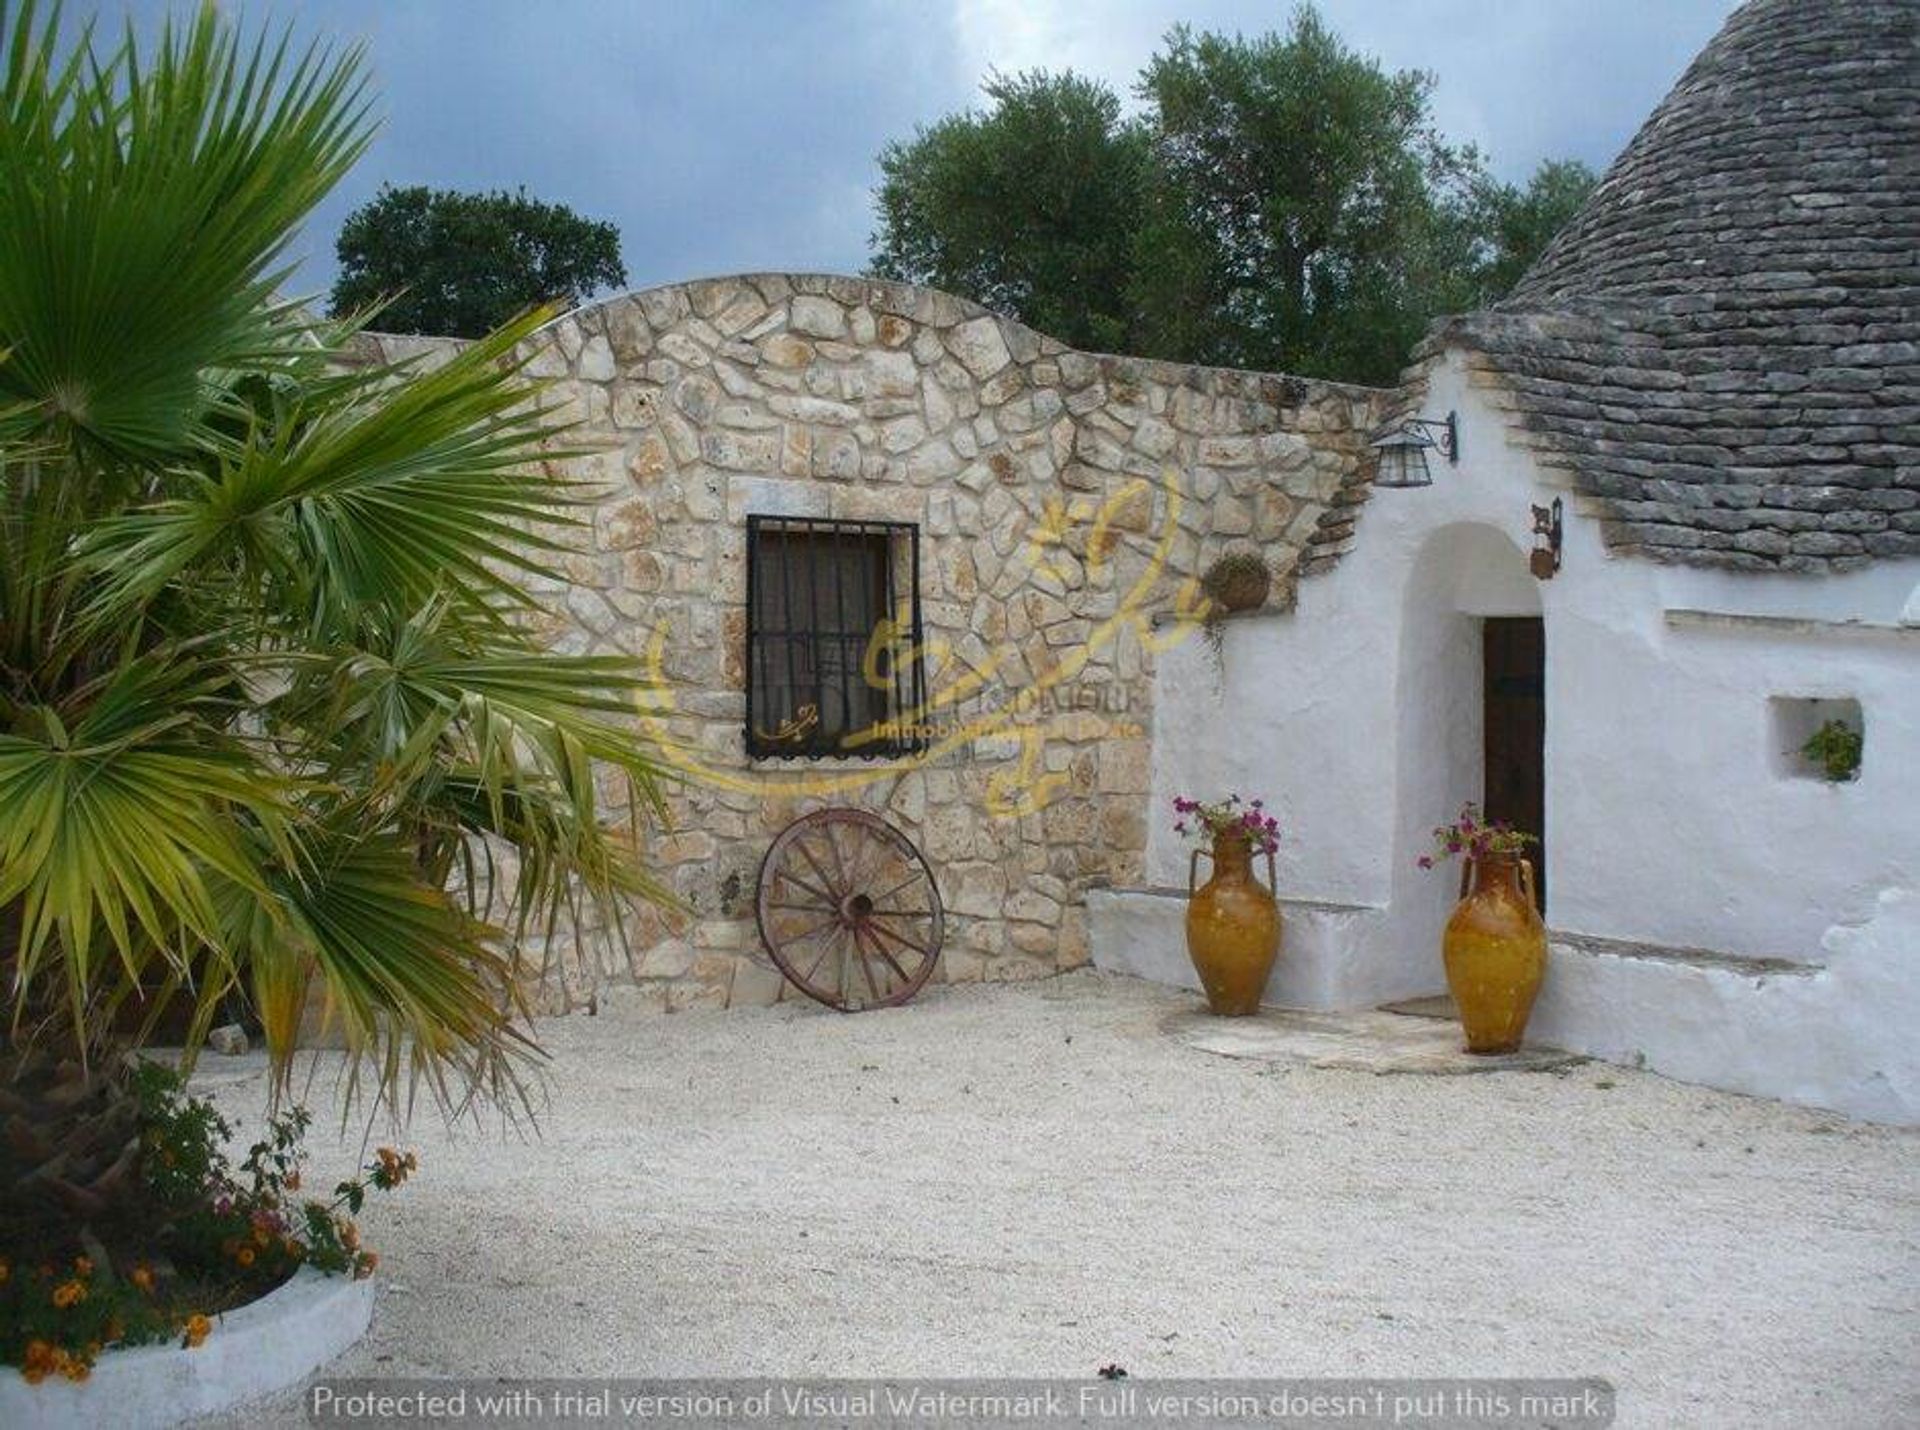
(834, 663)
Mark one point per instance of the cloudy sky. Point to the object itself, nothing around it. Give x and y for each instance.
(734, 135)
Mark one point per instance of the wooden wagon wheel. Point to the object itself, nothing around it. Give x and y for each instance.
(849, 910)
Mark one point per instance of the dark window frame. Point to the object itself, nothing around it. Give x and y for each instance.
(829, 657)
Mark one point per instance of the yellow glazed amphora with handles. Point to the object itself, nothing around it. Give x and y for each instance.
(1233, 926)
(1496, 951)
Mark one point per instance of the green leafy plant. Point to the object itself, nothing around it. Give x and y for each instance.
(1277, 201)
(276, 727)
(1238, 581)
(203, 1237)
(1836, 748)
(439, 261)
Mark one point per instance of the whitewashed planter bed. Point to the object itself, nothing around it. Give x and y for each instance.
(264, 1346)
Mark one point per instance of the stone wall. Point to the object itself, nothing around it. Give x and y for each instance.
(1066, 504)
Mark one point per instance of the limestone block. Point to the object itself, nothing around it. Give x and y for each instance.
(682, 349)
(772, 496)
(934, 462)
(742, 451)
(695, 396)
(785, 350)
(1124, 767)
(621, 526)
(817, 317)
(980, 346)
(814, 409)
(890, 374)
(596, 360)
(735, 380)
(628, 333)
(978, 891)
(903, 433)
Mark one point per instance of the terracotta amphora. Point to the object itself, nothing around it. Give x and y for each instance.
(1233, 927)
(1496, 952)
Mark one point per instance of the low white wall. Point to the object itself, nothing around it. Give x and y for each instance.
(1142, 932)
(263, 1347)
(1671, 816)
(1841, 1037)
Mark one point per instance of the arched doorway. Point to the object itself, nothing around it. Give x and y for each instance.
(1470, 719)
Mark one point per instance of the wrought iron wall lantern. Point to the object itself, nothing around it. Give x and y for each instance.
(1403, 452)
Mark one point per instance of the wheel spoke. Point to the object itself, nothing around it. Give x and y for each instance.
(838, 891)
(902, 939)
(825, 949)
(911, 877)
(892, 962)
(813, 932)
(866, 965)
(785, 873)
(845, 886)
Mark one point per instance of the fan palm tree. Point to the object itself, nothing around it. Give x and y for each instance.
(273, 724)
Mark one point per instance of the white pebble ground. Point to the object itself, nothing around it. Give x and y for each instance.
(1037, 1180)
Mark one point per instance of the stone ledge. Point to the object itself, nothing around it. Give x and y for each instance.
(1702, 958)
(1174, 891)
(1683, 619)
(1162, 619)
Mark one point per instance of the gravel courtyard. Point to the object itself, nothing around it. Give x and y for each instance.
(1036, 1180)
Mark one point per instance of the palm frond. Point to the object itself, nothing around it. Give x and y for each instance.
(114, 824)
(149, 209)
(383, 486)
(271, 713)
(414, 984)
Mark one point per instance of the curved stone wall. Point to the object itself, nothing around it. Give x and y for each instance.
(1066, 503)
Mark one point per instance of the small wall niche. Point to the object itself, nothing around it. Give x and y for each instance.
(1793, 720)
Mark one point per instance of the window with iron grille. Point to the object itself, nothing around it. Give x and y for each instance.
(833, 635)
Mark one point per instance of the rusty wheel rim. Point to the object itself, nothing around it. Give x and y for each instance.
(849, 911)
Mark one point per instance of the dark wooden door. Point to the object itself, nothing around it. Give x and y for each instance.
(1514, 660)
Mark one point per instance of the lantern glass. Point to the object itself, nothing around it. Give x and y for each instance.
(1403, 460)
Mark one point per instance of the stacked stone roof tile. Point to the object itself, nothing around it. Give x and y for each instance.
(1724, 345)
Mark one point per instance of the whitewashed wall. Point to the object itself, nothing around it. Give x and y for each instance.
(1671, 817)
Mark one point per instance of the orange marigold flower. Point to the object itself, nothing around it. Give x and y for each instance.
(69, 1293)
(349, 1235)
(142, 1276)
(244, 1256)
(197, 1329)
(83, 1266)
(40, 1360)
(261, 1236)
(364, 1264)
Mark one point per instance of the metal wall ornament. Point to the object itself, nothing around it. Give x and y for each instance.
(1544, 560)
(1402, 453)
